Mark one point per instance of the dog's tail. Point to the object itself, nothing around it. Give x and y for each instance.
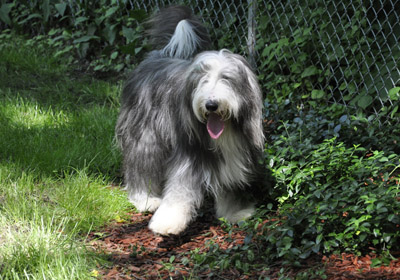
(178, 33)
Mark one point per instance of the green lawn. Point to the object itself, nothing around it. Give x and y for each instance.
(57, 162)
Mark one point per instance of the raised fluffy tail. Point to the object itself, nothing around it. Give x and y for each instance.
(178, 33)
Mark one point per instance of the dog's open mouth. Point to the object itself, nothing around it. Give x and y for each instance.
(215, 125)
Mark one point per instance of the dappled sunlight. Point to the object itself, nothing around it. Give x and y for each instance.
(47, 139)
(23, 113)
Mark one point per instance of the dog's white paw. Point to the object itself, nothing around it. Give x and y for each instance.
(169, 220)
(145, 203)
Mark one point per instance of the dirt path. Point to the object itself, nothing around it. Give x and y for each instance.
(136, 253)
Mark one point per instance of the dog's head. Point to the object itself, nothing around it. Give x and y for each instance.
(224, 89)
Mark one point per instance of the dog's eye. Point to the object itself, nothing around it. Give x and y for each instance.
(224, 77)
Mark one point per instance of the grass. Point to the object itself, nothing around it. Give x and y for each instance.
(57, 163)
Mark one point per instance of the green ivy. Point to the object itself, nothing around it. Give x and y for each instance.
(337, 199)
(326, 53)
(103, 35)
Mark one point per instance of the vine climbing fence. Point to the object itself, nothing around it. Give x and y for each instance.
(338, 52)
(353, 46)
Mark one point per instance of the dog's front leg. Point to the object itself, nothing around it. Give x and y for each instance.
(181, 198)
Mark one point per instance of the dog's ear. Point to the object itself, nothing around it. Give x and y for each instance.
(192, 127)
(253, 124)
(253, 104)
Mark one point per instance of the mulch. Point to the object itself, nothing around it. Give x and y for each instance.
(134, 252)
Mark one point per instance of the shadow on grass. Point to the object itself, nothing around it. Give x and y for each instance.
(50, 140)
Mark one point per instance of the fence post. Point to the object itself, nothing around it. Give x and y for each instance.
(251, 34)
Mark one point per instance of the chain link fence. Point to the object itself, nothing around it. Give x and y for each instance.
(345, 52)
(354, 45)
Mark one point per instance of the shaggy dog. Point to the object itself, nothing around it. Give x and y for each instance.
(190, 124)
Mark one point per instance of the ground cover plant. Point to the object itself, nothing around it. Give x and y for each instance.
(336, 196)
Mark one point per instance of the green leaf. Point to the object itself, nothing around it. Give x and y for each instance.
(46, 10)
(376, 232)
(137, 50)
(379, 205)
(185, 260)
(129, 34)
(394, 93)
(114, 55)
(337, 128)
(376, 262)
(269, 50)
(310, 71)
(305, 255)
(138, 14)
(394, 111)
(317, 94)
(248, 239)
(250, 255)
(85, 39)
(317, 193)
(343, 118)
(383, 159)
(111, 33)
(4, 13)
(316, 248)
(61, 7)
(79, 20)
(365, 101)
(382, 210)
(31, 16)
(283, 42)
(111, 11)
(128, 49)
(99, 67)
(319, 238)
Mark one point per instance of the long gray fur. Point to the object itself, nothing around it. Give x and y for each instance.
(170, 160)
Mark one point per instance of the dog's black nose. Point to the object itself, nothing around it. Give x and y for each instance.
(211, 105)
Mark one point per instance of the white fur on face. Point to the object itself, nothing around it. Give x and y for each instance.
(214, 86)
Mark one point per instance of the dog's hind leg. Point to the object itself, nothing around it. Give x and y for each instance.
(144, 172)
(234, 206)
(144, 201)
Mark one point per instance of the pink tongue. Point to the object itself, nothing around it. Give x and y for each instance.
(215, 125)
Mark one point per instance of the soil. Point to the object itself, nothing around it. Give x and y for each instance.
(134, 252)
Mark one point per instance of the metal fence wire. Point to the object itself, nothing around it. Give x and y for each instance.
(353, 44)
(347, 51)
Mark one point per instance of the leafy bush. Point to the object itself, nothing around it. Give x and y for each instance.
(335, 199)
(103, 32)
(338, 199)
(321, 52)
